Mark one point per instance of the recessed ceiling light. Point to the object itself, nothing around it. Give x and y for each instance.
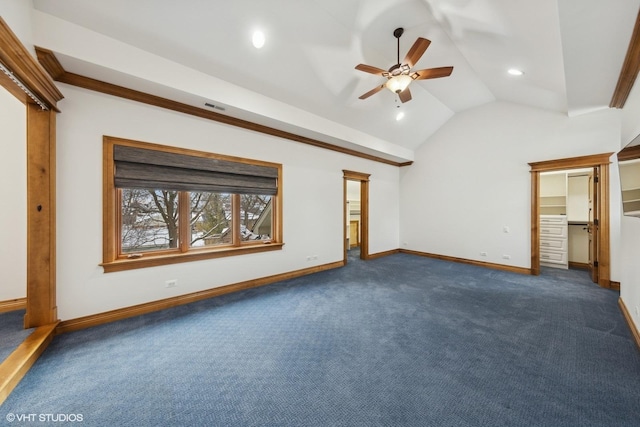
(400, 115)
(515, 72)
(258, 39)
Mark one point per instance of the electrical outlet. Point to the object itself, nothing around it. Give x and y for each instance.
(506, 229)
(483, 254)
(309, 258)
(405, 243)
(506, 256)
(171, 283)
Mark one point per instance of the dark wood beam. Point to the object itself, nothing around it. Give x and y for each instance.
(630, 69)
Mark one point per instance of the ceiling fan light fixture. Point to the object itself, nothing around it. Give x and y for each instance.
(397, 84)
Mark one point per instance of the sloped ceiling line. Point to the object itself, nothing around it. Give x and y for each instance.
(51, 64)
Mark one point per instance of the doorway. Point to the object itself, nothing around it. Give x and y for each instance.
(355, 214)
(596, 221)
(567, 203)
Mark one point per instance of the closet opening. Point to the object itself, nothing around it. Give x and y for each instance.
(570, 216)
(567, 201)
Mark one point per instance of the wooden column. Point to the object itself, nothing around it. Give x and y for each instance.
(41, 217)
(604, 241)
(364, 218)
(535, 223)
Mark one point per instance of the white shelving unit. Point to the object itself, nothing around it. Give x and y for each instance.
(630, 181)
(553, 194)
(564, 212)
(631, 201)
(554, 242)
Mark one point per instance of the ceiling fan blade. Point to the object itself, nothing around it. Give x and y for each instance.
(432, 73)
(372, 92)
(416, 51)
(370, 69)
(405, 95)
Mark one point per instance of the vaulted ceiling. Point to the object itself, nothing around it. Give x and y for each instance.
(570, 51)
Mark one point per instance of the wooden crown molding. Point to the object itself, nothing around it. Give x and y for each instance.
(629, 71)
(571, 163)
(25, 68)
(356, 176)
(54, 68)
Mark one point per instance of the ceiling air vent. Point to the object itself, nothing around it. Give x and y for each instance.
(217, 107)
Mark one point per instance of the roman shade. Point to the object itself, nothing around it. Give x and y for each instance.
(151, 169)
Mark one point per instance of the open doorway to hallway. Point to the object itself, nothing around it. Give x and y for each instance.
(356, 215)
(354, 219)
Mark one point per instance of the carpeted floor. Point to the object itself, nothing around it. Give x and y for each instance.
(397, 341)
(12, 332)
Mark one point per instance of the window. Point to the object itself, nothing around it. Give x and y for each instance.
(165, 205)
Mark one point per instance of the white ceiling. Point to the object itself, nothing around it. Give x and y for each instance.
(570, 50)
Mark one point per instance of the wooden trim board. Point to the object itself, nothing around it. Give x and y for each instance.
(509, 268)
(614, 285)
(632, 326)
(14, 367)
(136, 310)
(383, 254)
(15, 56)
(13, 305)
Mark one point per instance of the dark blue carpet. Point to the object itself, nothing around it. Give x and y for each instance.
(397, 341)
(12, 332)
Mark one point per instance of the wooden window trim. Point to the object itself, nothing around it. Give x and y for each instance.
(111, 218)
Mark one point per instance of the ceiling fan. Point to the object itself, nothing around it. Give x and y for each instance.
(400, 75)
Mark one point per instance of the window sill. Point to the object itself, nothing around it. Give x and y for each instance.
(196, 255)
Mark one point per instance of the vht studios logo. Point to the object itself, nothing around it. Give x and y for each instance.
(55, 418)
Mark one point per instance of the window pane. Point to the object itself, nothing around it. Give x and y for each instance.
(210, 219)
(149, 220)
(255, 217)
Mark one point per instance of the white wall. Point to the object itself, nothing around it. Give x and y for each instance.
(13, 161)
(471, 179)
(313, 203)
(17, 14)
(13, 187)
(630, 227)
